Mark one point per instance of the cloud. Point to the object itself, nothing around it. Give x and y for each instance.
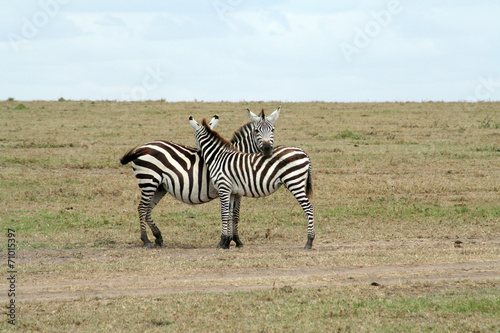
(109, 20)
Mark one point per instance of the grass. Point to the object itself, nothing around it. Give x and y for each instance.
(348, 134)
(394, 184)
(419, 307)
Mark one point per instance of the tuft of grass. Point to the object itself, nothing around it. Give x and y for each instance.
(21, 107)
(342, 135)
(348, 134)
(487, 122)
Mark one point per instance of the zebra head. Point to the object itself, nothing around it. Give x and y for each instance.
(263, 130)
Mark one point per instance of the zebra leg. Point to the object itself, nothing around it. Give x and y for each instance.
(308, 210)
(149, 199)
(236, 218)
(144, 208)
(225, 239)
(305, 203)
(160, 193)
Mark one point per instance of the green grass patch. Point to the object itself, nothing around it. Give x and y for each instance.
(30, 225)
(410, 211)
(346, 134)
(21, 107)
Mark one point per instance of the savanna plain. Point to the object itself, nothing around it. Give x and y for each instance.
(406, 207)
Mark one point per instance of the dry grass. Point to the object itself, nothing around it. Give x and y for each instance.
(441, 307)
(394, 184)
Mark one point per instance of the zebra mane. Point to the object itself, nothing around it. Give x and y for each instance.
(240, 132)
(217, 136)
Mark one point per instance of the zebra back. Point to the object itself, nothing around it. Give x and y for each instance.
(134, 153)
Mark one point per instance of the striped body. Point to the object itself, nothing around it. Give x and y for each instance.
(162, 167)
(253, 175)
(236, 174)
(179, 169)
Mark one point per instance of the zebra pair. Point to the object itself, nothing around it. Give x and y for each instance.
(162, 167)
(236, 174)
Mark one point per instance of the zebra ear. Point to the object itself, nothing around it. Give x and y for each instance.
(252, 116)
(194, 124)
(213, 123)
(274, 116)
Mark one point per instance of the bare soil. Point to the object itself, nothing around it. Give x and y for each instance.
(44, 285)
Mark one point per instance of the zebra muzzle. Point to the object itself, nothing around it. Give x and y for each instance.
(267, 149)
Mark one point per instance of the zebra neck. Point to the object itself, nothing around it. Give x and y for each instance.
(244, 139)
(212, 147)
(213, 156)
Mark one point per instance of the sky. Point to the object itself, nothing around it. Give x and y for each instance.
(243, 50)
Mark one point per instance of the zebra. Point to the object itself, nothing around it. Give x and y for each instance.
(236, 174)
(162, 167)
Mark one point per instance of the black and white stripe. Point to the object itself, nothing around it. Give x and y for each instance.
(236, 174)
(162, 167)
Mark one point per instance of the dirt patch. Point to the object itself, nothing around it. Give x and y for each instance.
(261, 279)
(132, 271)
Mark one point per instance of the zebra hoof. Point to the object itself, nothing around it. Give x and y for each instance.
(238, 242)
(148, 245)
(222, 246)
(224, 243)
(309, 243)
(159, 242)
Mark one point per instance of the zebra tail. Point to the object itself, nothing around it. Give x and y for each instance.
(309, 185)
(132, 155)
